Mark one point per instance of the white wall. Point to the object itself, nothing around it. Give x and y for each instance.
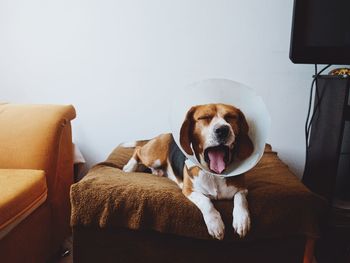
(118, 62)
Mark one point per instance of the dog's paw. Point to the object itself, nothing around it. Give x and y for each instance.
(216, 227)
(241, 222)
(131, 166)
(158, 172)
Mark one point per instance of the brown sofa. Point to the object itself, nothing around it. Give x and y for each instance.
(36, 171)
(138, 217)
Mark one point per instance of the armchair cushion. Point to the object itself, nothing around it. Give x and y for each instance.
(21, 192)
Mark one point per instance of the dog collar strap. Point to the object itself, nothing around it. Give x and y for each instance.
(189, 164)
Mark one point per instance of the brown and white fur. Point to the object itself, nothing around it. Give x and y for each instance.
(216, 134)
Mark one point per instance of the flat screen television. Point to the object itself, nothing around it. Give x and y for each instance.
(320, 32)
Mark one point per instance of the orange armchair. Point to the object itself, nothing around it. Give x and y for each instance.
(36, 171)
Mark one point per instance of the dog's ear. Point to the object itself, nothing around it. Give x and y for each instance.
(186, 132)
(245, 145)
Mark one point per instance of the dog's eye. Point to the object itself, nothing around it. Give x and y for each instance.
(204, 117)
(231, 117)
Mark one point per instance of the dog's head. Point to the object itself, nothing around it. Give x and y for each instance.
(218, 134)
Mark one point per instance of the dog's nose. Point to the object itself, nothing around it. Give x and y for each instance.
(222, 132)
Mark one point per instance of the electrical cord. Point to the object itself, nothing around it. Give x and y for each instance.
(309, 120)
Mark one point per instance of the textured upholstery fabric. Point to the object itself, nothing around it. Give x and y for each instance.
(19, 191)
(280, 205)
(38, 137)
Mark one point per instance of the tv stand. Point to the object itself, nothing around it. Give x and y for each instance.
(327, 146)
(327, 168)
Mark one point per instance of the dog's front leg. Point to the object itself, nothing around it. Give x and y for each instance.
(241, 219)
(212, 217)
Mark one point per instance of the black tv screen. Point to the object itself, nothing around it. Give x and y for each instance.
(320, 32)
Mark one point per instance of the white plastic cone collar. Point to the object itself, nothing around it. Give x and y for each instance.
(227, 92)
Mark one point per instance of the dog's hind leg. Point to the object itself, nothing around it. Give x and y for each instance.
(133, 163)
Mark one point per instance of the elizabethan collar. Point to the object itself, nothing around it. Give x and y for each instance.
(226, 92)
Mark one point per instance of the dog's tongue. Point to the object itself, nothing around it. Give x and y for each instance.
(217, 163)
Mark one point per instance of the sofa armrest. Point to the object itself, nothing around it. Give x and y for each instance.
(39, 137)
(30, 136)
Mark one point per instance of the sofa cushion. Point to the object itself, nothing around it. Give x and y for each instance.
(21, 192)
(280, 205)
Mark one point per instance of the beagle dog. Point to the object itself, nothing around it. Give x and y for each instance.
(216, 134)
